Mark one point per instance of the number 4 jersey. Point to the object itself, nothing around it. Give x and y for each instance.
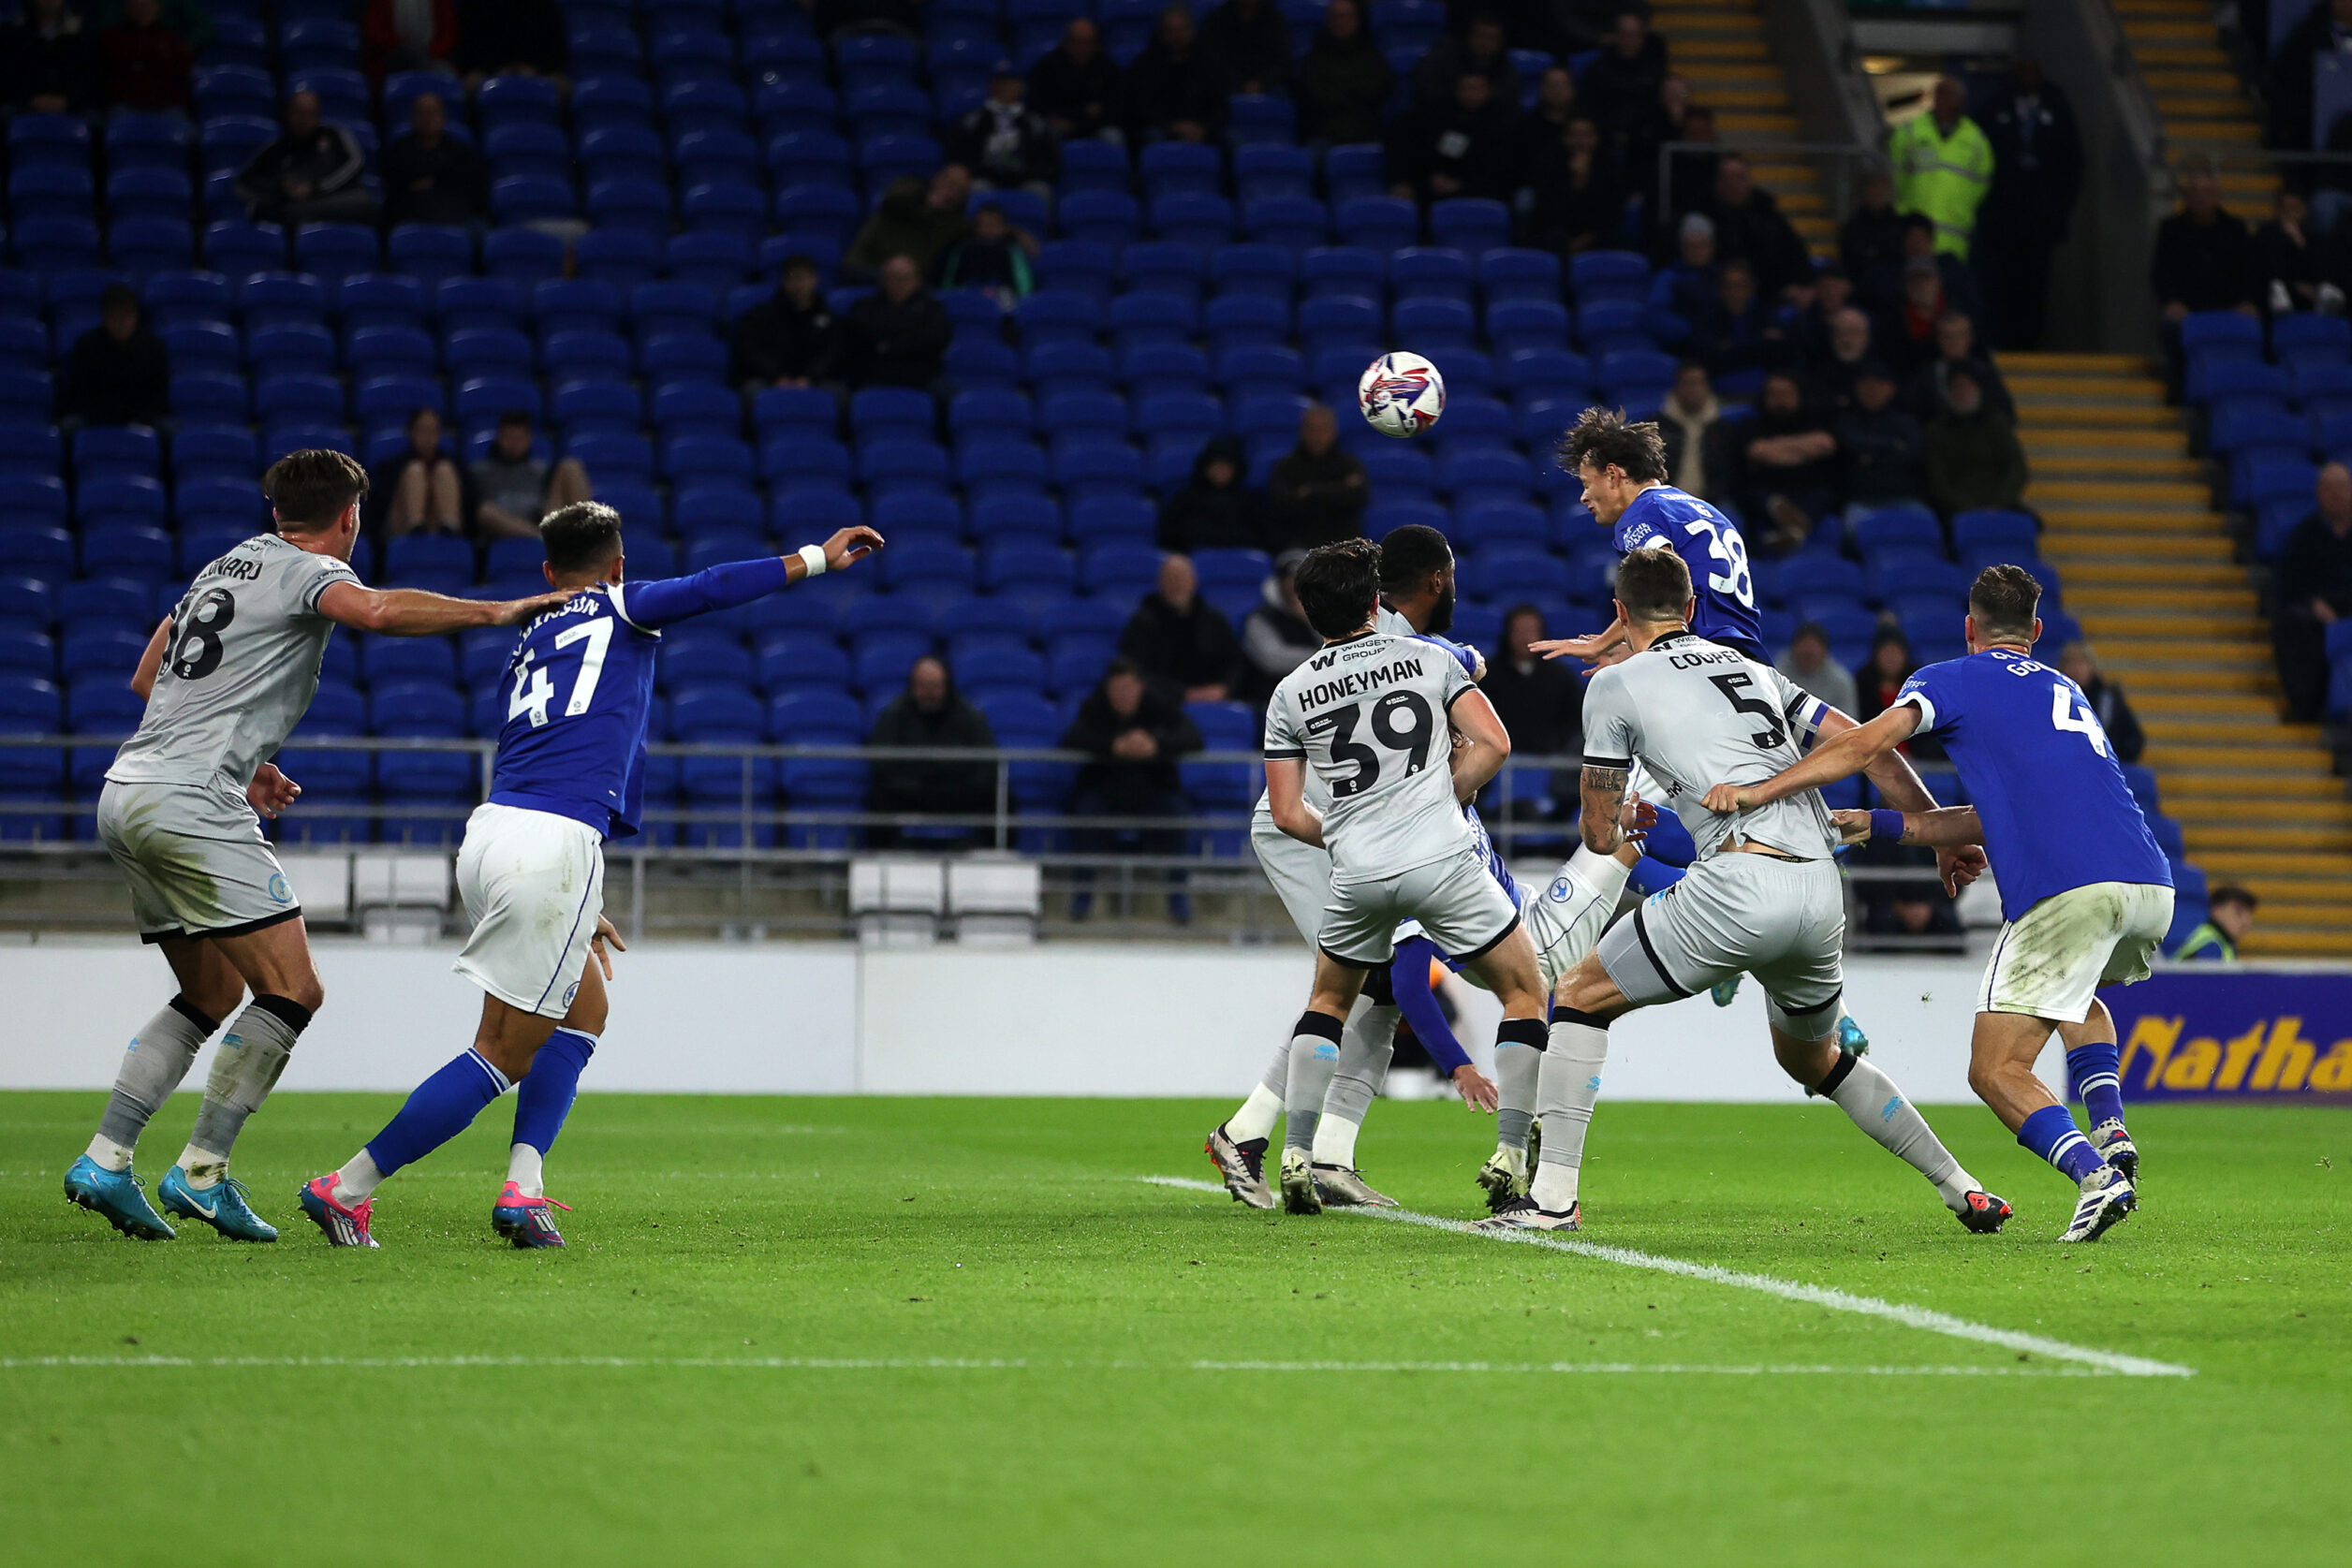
(1697, 714)
(240, 669)
(2057, 813)
(1368, 717)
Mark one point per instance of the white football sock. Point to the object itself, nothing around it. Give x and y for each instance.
(1570, 1082)
(526, 1169)
(1259, 1113)
(1335, 1141)
(203, 1167)
(107, 1152)
(1365, 1047)
(357, 1180)
(1881, 1109)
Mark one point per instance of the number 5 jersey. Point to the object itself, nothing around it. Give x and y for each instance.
(240, 669)
(1697, 714)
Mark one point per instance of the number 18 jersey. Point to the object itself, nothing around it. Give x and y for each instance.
(1368, 717)
(1697, 714)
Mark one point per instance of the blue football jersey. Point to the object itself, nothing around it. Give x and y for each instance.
(1493, 857)
(2056, 810)
(1711, 547)
(580, 693)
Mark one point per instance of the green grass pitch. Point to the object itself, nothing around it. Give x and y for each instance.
(874, 1331)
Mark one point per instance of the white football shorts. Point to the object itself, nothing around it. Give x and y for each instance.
(534, 883)
(2052, 959)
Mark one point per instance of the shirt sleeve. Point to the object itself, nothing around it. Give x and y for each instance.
(1283, 743)
(1608, 727)
(325, 575)
(1804, 710)
(1408, 976)
(651, 606)
(1935, 693)
(1455, 674)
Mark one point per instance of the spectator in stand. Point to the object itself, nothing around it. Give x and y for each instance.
(510, 37)
(313, 173)
(1808, 662)
(1691, 179)
(1882, 677)
(1943, 168)
(1248, 43)
(1621, 86)
(1691, 420)
(1463, 149)
(1576, 198)
(1344, 81)
(1317, 487)
(1749, 227)
(513, 487)
(1884, 447)
(49, 62)
(1974, 460)
(1813, 326)
(1075, 85)
(1790, 468)
(1481, 50)
(119, 372)
(408, 36)
(915, 220)
(1919, 915)
(931, 712)
(1182, 642)
(995, 259)
(1174, 92)
(1849, 350)
(2326, 29)
(2313, 592)
(1955, 347)
(1540, 130)
(1684, 286)
(421, 488)
(2077, 663)
(1669, 121)
(1736, 335)
(1870, 242)
(187, 18)
(1215, 509)
(2205, 261)
(1275, 637)
(2228, 921)
(430, 176)
(1911, 344)
(1540, 700)
(2036, 174)
(790, 339)
(898, 335)
(1958, 279)
(147, 63)
(1005, 143)
(1134, 735)
(2295, 270)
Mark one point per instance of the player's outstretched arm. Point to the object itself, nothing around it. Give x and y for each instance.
(669, 600)
(1898, 784)
(1943, 828)
(1604, 795)
(1840, 757)
(1287, 799)
(1482, 745)
(1594, 650)
(413, 612)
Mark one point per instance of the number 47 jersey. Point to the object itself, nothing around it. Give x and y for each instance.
(1368, 717)
(580, 699)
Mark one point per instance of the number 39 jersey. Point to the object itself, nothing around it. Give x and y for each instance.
(240, 669)
(1368, 717)
(2056, 809)
(1664, 518)
(1697, 714)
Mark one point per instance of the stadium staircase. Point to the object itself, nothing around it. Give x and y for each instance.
(1719, 48)
(2148, 567)
(2196, 92)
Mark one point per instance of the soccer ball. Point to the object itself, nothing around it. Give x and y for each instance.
(1400, 394)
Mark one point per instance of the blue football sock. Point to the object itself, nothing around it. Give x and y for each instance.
(1649, 876)
(442, 1107)
(2095, 1068)
(2051, 1134)
(545, 1097)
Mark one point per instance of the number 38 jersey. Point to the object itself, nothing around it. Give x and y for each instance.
(1368, 717)
(1664, 518)
(240, 669)
(1697, 714)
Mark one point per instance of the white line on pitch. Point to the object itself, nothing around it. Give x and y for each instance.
(1820, 1295)
(824, 1363)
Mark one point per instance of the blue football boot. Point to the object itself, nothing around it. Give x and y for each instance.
(116, 1196)
(1850, 1036)
(224, 1205)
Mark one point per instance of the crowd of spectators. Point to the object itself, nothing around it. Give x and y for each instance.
(2311, 592)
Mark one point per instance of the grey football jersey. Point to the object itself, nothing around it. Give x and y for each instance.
(240, 669)
(1318, 793)
(1368, 716)
(1697, 714)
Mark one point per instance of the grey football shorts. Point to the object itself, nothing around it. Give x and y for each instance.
(1300, 872)
(1461, 907)
(195, 862)
(1782, 921)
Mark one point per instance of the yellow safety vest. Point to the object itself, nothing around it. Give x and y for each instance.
(1945, 177)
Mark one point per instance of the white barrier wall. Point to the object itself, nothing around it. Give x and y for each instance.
(1066, 1019)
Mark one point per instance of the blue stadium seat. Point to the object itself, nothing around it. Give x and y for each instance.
(1379, 223)
(1103, 217)
(1296, 223)
(1191, 219)
(332, 251)
(1164, 367)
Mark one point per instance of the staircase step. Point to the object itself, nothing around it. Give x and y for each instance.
(1691, 48)
(2202, 106)
(2149, 683)
(2072, 462)
(2183, 52)
(2191, 706)
(2131, 522)
(2235, 597)
(2105, 569)
(2262, 732)
(2278, 839)
(2220, 815)
(2261, 867)
(2168, 30)
(2190, 784)
(2173, 494)
(2129, 444)
(2105, 385)
(2171, 547)
(2297, 945)
(2102, 415)
(1737, 123)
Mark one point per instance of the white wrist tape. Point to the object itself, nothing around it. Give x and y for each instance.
(813, 557)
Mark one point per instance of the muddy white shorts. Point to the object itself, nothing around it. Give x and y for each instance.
(534, 883)
(2052, 958)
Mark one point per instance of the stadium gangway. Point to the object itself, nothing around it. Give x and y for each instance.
(1841, 156)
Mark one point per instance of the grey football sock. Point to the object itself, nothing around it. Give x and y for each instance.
(1570, 1081)
(1878, 1107)
(1314, 1060)
(252, 1053)
(159, 1057)
(1365, 1047)
(1515, 1070)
